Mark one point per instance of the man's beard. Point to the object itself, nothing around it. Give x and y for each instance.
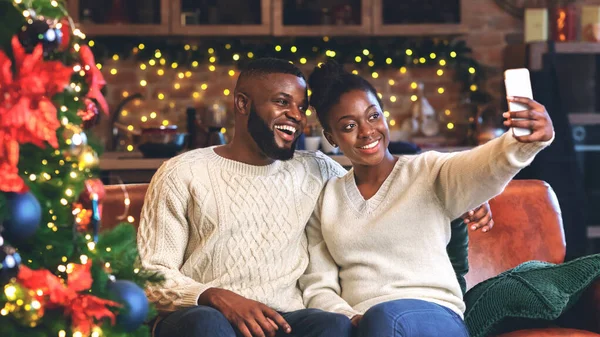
(265, 138)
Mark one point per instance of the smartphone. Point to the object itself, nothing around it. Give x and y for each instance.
(518, 83)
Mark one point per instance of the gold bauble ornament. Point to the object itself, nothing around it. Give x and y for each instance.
(75, 138)
(22, 305)
(88, 158)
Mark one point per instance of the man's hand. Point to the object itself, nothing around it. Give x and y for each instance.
(251, 318)
(356, 320)
(481, 217)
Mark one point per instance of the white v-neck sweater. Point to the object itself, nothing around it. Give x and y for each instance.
(209, 222)
(393, 246)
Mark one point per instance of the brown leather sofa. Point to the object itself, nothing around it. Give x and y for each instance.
(528, 226)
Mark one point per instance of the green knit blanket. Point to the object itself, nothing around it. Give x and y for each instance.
(527, 295)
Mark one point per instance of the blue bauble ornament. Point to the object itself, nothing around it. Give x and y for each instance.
(41, 31)
(25, 215)
(135, 304)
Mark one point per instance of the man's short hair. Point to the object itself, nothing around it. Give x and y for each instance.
(266, 66)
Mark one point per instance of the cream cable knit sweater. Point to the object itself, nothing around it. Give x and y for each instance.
(393, 246)
(208, 222)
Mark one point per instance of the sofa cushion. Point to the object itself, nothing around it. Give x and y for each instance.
(531, 295)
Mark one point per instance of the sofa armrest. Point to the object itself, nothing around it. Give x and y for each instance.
(591, 303)
(585, 314)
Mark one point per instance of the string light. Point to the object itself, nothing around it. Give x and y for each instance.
(415, 56)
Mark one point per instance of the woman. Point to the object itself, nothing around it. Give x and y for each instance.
(377, 240)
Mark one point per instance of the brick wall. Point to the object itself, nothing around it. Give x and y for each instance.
(490, 30)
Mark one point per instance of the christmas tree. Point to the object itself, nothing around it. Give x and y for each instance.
(60, 275)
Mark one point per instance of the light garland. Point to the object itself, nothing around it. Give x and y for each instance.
(226, 58)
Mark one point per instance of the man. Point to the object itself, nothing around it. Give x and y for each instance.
(225, 225)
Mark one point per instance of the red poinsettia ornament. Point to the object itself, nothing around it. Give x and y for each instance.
(27, 114)
(93, 77)
(85, 310)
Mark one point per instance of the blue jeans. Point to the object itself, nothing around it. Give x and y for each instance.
(410, 318)
(202, 321)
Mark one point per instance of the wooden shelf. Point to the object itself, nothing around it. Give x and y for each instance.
(584, 118)
(220, 30)
(272, 24)
(88, 29)
(382, 29)
(538, 49)
(365, 27)
(420, 30)
(123, 30)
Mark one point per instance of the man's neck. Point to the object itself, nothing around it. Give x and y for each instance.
(245, 151)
